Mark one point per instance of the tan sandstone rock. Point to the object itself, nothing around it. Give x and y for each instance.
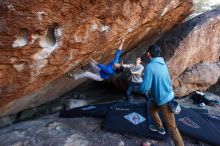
(190, 43)
(41, 40)
(193, 42)
(199, 77)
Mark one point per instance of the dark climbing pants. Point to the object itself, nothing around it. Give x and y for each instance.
(131, 87)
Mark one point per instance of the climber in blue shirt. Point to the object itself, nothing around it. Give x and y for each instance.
(99, 71)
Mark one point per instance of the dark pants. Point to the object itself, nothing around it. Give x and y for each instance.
(131, 87)
(169, 121)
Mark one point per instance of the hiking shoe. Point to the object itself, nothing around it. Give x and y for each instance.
(130, 99)
(155, 128)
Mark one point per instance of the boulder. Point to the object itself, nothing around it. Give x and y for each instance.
(186, 48)
(215, 88)
(42, 40)
(198, 77)
(193, 42)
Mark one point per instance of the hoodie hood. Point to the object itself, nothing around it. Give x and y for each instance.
(159, 60)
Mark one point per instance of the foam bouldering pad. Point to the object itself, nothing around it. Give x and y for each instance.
(133, 118)
(130, 120)
(192, 124)
(95, 110)
(98, 110)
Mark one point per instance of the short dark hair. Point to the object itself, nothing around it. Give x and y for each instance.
(154, 51)
(119, 70)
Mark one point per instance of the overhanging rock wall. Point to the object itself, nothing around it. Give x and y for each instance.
(41, 40)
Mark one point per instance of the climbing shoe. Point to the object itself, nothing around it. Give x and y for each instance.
(69, 75)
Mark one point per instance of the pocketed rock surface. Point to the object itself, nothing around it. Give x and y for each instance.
(42, 40)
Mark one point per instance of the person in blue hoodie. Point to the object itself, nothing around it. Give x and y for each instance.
(157, 81)
(99, 71)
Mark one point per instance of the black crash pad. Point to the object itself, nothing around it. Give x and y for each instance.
(130, 120)
(194, 124)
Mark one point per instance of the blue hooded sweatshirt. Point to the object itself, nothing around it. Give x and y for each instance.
(107, 70)
(157, 80)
